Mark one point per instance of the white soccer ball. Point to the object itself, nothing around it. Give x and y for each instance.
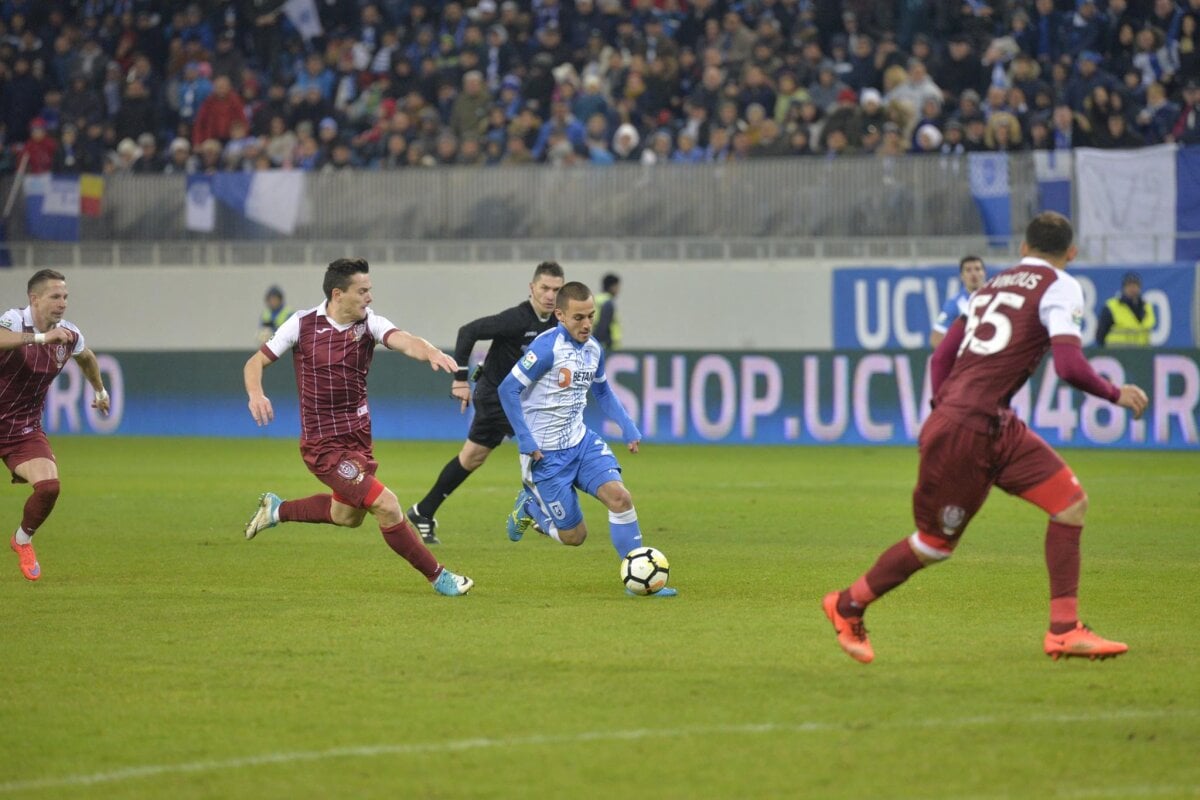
(645, 570)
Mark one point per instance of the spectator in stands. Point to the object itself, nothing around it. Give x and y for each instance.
(1186, 130)
(180, 160)
(67, 159)
(38, 149)
(81, 104)
(218, 113)
(1066, 131)
(138, 113)
(20, 99)
(151, 160)
(1116, 134)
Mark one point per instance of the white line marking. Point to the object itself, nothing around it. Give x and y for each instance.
(482, 743)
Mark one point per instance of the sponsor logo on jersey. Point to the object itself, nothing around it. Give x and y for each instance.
(1077, 317)
(529, 359)
(564, 377)
(952, 519)
(324, 330)
(6, 323)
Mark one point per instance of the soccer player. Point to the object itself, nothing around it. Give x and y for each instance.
(332, 346)
(35, 343)
(973, 440)
(972, 274)
(544, 396)
(510, 332)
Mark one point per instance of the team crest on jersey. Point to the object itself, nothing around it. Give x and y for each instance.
(952, 519)
(564, 378)
(60, 354)
(529, 359)
(350, 471)
(360, 330)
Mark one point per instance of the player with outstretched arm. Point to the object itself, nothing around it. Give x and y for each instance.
(332, 345)
(544, 397)
(973, 440)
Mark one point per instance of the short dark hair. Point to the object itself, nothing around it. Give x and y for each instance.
(40, 277)
(341, 272)
(572, 291)
(1049, 233)
(550, 268)
(966, 260)
(609, 281)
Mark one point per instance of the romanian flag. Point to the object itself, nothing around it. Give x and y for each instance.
(91, 192)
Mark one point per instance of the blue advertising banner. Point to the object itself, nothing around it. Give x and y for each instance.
(893, 308)
(843, 398)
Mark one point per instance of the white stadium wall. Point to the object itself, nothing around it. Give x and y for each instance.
(721, 305)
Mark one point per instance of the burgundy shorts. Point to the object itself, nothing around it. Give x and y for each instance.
(960, 465)
(346, 465)
(16, 452)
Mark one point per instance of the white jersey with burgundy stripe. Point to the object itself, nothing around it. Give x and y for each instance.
(27, 372)
(331, 363)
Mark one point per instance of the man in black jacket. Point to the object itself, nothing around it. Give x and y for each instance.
(510, 332)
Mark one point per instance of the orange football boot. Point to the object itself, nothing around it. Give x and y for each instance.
(29, 563)
(1081, 643)
(851, 634)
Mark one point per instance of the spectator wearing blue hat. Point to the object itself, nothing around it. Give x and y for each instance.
(1088, 76)
(1085, 31)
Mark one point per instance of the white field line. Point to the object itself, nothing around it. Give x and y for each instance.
(485, 743)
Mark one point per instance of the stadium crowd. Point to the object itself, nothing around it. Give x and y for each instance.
(121, 86)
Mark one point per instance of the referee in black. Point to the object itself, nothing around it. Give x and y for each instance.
(510, 332)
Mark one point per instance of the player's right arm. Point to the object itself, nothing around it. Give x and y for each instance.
(12, 337)
(533, 365)
(508, 323)
(283, 340)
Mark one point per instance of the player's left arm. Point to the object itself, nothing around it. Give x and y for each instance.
(610, 404)
(1061, 312)
(416, 348)
(91, 370)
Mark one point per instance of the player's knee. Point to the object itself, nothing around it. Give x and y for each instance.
(47, 490)
(346, 516)
(619, 499)
(386, 504)
(1075, 513)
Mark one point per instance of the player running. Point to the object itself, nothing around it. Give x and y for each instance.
(332, 345)
(35, 344)
(544, 397)
(973, 440)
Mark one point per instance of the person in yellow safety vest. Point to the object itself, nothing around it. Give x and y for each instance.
(1126, 320)
(274, 314)
(608, 327)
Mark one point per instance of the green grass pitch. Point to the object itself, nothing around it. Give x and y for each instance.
(162, 656)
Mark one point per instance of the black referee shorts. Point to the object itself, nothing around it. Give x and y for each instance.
(490, 425)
